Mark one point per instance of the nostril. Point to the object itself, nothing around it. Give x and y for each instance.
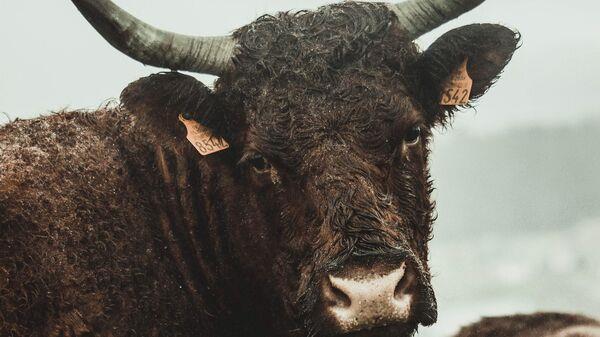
(406, 284)
(334, 296)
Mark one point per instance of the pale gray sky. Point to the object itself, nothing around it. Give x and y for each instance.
(51, 58)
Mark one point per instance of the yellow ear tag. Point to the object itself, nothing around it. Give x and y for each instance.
(202, 138)
(458, 89)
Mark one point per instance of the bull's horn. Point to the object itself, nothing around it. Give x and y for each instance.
(421, 16)
(152, 46)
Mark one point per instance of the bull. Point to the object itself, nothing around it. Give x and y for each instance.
(307, 212)
(542, 324)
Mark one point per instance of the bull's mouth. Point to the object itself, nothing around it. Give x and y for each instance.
(404, 330)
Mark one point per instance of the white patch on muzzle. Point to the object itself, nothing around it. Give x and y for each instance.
(373, 301)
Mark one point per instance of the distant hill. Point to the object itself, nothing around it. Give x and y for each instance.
(519, 224)
(526, 179)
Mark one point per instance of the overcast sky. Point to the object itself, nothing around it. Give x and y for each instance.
(50, 58)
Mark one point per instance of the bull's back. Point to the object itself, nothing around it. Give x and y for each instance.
(534, 325)
(79, 253)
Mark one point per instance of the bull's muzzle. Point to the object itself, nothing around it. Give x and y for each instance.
(360, 298)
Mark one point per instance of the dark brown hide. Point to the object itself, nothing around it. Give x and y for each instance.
(83, 251)
(114, 226)
(535, 325)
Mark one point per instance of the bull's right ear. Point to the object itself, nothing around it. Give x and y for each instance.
(485, 49)
(159, 99)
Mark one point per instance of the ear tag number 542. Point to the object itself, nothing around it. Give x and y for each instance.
(458, 89)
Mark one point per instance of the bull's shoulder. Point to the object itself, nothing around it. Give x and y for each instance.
(68, 214)
(51, 167)
(545, 324)
(79, 243)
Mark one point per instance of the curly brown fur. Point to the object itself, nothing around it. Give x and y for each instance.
(80, 253)
(534, 325)
(115, 226)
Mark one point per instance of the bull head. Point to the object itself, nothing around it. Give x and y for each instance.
(329, 117)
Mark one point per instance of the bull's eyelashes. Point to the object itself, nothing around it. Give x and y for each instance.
(412, 136)
(257, 162)
(260, 164)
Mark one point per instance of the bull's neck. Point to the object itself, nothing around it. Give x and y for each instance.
(196, 208)
(201, 212)
(186, 225)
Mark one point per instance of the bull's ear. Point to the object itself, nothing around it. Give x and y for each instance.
(159, 99)
(487, 48)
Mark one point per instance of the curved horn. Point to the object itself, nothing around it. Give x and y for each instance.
(149, 45)
(421, 16)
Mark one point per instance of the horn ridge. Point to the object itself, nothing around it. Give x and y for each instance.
(156, 47)
(418, 17)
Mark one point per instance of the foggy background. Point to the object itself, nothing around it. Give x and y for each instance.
(518, 180)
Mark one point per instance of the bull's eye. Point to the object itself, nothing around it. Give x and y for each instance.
(259, 163)
(412, 136)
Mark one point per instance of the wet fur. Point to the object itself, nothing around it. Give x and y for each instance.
(534, 325)
(82, 252)
(112, 220)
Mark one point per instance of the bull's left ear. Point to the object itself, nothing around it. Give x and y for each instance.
(487, 48)
(159, 99)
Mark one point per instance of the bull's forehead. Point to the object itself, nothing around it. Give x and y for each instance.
(311, 45)
(350, 104)
(296, 32)
(357, 118)
(334, 75)
(336, 50)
